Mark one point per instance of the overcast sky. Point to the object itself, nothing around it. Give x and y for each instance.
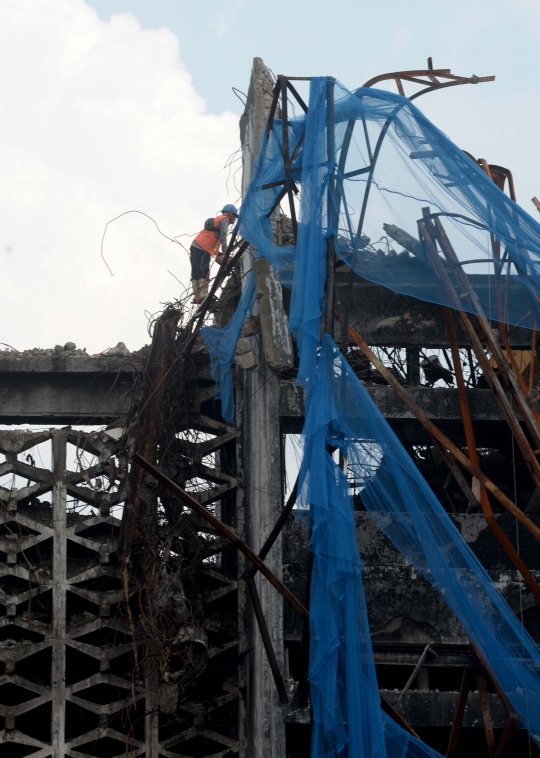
(113, 105)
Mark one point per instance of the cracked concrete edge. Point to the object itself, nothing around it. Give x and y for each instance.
(276, 337)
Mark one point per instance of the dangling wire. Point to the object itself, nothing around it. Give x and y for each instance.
(171, 239)
(239, 92)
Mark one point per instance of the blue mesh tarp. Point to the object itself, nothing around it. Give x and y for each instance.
(344, 693)
(342, 414)
(347, 718)
(380, 166)
(221, 344)
(389, 163)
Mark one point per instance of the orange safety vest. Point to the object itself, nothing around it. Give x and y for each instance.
(208, 240)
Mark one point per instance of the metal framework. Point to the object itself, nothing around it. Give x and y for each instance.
(499, 366)
(429, 77)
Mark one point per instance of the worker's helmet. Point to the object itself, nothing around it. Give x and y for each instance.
(229, 208)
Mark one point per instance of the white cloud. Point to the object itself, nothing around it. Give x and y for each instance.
(98, 118)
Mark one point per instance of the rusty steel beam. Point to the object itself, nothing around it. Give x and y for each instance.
(502, 362)
(276, 530)
(388, 708)
(297, 97)
(303, 681)
(224, 530)
(505, 736)
(500, 692)
(487, 717)
(286, 153)
(458, 476)
(532, 363)
(332, 215)
(499, 175)
(273, 107)
(473, 455)
(512, 716)
(267, 642)
(430, 234)
(464, 690)
(441, 438)
(429, 77)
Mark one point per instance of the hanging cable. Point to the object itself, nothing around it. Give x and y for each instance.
(125, 213)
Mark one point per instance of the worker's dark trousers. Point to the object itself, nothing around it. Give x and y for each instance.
(200, 265)
(200, 262)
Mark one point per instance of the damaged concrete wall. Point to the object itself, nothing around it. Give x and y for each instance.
(384, 317)
(402, 606)
(276, 338)
(253, 120)
(64, 385)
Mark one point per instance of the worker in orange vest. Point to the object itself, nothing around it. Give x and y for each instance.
(206, 244)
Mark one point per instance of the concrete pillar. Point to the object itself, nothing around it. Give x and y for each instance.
(265, 728)
(59, 580)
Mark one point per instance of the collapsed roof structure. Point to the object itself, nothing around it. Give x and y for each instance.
(167, 601)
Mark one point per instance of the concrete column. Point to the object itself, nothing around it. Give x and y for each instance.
(265, 727)
(263, 495)
(59, 580)
(151, 718)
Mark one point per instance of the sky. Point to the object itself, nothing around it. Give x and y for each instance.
(114, 105)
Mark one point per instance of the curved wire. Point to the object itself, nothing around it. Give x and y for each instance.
(142, 213)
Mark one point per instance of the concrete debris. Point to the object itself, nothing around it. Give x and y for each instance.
(434, 370)
(80, 619)
(243, 346)
(244, 356)
(247, 361)
(250, 326)
(406, 240)
(70, 350)
(11, 643)
(116, 433)
(120, 349)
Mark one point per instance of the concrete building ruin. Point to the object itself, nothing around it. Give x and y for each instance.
(160, 654)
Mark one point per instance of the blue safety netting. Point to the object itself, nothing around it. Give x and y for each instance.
(344, 691)
(381, 162)
(347, 718)
(387, 163)
(400, 744)
(221, 344)
(342, 414)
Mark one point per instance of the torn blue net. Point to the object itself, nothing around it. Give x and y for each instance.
(347, 718)
(344, 692)
(406, 510)
(391, 166)
(383, 163)
(221, 344)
